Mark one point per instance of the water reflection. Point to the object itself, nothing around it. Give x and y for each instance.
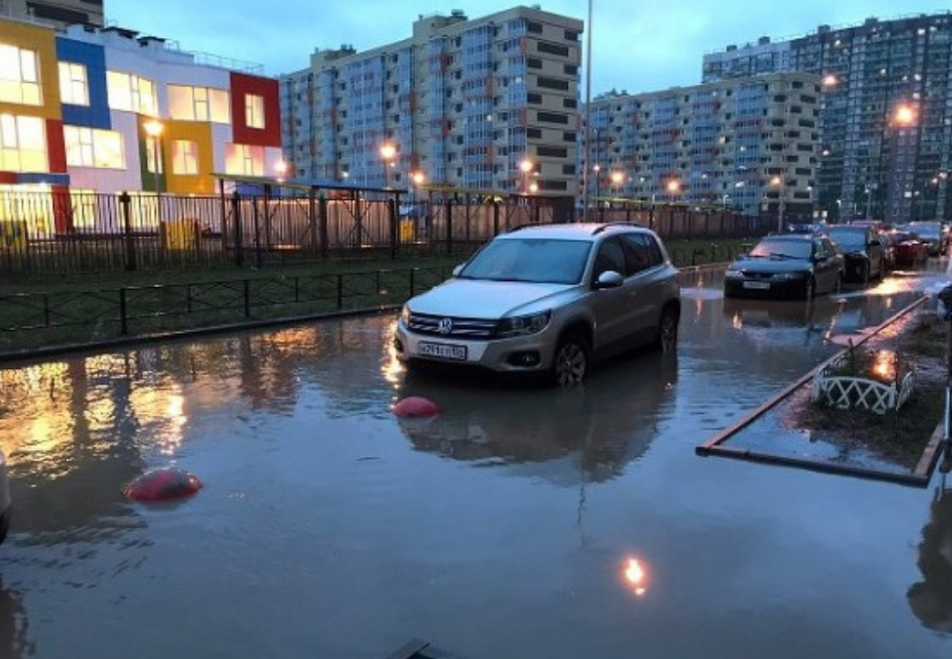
(606, 424)
(931, 598)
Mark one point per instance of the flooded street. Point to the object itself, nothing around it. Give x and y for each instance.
(523, 523)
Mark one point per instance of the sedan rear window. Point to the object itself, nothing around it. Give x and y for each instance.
(536, 260)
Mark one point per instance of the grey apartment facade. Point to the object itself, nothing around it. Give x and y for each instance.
(481, 104)
(885, 111)
(748, 144)
(60, 13)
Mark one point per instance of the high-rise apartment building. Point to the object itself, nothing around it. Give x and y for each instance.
(463, 102)
(886, 111)
(59, 13)
(750, 144)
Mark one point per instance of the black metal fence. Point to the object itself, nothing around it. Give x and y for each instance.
(65, 233)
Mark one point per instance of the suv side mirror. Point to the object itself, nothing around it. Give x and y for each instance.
(458, 269)
(609, 279)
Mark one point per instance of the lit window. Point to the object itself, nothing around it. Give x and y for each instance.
(87, 147)
(73, 88)
(184, 158)
(131, 93)
(22, 144)
(254, 111)
(199, 104)
(244, 159)
(19, 76)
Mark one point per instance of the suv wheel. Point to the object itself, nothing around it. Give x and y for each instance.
(667, 339)
(570, 364)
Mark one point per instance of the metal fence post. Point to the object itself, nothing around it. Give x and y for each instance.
(125, 202)
(412, 282)
(449, 227)
(340, 291)
(322, 224)
(254, 208)
(123, 319)
(392, 212)
(495, 218)
(247, 295)
(239, 238)
(312, 217)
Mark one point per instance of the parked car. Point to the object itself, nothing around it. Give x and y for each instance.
(4, 499)
(911, 252)
(932, 234)
(790, 265)
(548, 299)
(862, 252)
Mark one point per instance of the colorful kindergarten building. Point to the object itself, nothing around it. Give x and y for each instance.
(103, 110)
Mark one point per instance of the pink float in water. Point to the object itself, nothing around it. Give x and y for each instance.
(415, 407)
(162, 485)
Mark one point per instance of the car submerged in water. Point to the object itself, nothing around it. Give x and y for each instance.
(786, 266)
(547, 299)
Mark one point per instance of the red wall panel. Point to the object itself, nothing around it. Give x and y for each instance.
(56, 145)
(267, 88)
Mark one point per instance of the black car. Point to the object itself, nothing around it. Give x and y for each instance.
(862, 250)
(785, 266)
(932, 234)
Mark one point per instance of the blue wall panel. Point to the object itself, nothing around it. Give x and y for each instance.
(96, 115)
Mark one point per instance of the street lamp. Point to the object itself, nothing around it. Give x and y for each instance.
(673, 187)
(778, 181)
(387, 153)
(617, 179)
(904, 115)
(525, 166)
(280, 170)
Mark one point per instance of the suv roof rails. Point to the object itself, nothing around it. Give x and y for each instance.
(609, 225)
(537, 224)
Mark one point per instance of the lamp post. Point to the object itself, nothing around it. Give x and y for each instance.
(673, 187)
(281, 170)
(779, 182)
(617, 178)
(387, 153)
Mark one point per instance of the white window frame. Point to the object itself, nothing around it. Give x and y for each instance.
(86, 147)
(13, 152)
(185, 158)
(141, 96)
(74, 86)
(20, 82)
(254, 111)
(201, 104)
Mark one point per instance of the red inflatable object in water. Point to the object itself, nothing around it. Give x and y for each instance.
(162, 485)
(415, 407)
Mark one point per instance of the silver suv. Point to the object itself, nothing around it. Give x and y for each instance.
(548, 299)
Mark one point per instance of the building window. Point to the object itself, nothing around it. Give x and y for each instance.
(87, 147)
(19, 76)
(131, 93)
(73, 87)
(22, 144)
(184, 157)
(199, 104)
(254, 111)
(244, 159)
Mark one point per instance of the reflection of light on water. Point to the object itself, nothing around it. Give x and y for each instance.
(162, 410)
(737, 322)
(635, 576)
(391, 368)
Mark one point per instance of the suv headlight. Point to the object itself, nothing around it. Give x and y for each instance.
(405, 315)
(523, 325)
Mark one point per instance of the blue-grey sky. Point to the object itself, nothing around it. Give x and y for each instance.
(638, 45)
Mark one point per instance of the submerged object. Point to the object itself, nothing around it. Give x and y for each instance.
(416, 407)
(162, 484)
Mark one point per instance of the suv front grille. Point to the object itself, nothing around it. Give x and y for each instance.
(464, 328)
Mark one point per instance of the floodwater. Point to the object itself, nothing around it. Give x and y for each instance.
(524, 523)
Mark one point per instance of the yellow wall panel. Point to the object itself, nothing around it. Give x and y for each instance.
(42, 40)
(201, 133)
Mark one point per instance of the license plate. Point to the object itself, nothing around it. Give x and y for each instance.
(757, 285)
(443, 350)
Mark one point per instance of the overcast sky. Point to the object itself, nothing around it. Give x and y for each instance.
(639, 45)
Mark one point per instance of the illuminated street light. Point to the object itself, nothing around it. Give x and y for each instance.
(525, 166)
(830, 80)
(387, 153)
(905, 115)
(617, 178)
(533, 187)
(281, 170)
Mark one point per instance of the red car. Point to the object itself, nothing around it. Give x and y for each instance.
(911, 252)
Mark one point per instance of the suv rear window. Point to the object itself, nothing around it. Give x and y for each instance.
(535, 260)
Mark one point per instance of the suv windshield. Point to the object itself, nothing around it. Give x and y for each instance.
(536, 260)
(779, 249)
